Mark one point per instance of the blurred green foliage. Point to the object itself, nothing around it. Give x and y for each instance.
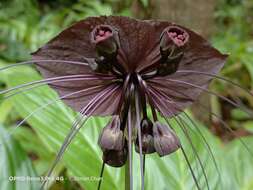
(234, 35)
(25, 25)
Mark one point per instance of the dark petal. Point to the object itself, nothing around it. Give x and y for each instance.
(153, 55)
(165, 140)
(136, 39)
(198, 50)
(107, 106)
(74, 44)
(115, 158)
(199, 55)
(139, 50)
(112, 136)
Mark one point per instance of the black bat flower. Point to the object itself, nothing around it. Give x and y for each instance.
(125, 65)
(120, 67)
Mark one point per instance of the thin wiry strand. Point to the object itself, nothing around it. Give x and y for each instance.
(43, 84)
(212, 93)
(186, 133)
(226, 126)
(188, 138)
(129, 127)
(184, 129)
(77, 126)
(145, 87)
(239, 102)
(207, 146)
(66, 142)
(137, 106)
(46, 105)
(217, 77)
(188, 164)
(42, 61)
(52, 80)
(174, 105)
(101, 175)
(124, 91)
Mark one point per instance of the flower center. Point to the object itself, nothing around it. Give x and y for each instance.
(178, 36)
(102, 34)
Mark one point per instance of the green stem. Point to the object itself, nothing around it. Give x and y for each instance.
(127, 175)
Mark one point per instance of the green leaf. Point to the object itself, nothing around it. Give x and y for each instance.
(248, 125)
(238, 114)
(15, 163)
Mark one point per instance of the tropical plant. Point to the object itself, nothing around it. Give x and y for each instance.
(40, 137)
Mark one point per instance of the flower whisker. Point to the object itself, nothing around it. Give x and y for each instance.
(77, 126)
(53, 80)
(42, 61)
(46, 106)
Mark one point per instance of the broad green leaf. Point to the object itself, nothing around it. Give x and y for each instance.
(16, 168)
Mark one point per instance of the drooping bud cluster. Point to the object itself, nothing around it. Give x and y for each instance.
(112, 143)
(105, 39)
(158, 138)
(172, 45)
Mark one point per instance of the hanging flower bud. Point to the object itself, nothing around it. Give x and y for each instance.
(172, 44)
(147, 139)
(112, 137)
(115, 158)
(165, 140)
(105, 39)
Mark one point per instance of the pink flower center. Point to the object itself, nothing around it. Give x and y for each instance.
(102, 34)
(178, 36)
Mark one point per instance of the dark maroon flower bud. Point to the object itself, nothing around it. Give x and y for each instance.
(147, 139)
(115, 158)
(165, 140)
(173, 41)
(172, 44)
(112, 137)
(105, 39)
